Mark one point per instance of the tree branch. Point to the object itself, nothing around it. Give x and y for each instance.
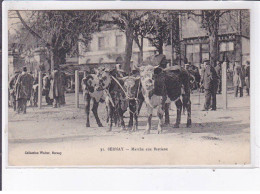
(32, 31)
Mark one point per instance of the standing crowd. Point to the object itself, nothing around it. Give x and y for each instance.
(23, 87)
(210, 80)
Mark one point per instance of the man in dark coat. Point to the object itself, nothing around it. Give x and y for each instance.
(56, 90)
(209, 81)
(63, 81)
(219, 74)
(247, 77)
(23, 88)
(12, 89)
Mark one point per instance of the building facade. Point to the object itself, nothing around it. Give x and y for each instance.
(108, 47)
(233, 38)
(34, 60)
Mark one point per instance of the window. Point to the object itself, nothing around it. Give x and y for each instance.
(150, 43)
(189, 49)
(230, 46)
(204, 51)
(101, 43)
(226, 51)
(204, 48)
(88, 47)
(193, 53)
(119, 40)
(204, 56)
(226, 46)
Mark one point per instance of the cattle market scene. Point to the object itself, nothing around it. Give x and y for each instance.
(128, 88)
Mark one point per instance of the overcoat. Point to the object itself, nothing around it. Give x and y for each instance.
(238, 76)
(23, 86)
(56, 89)
(209, 78)
(247, 76)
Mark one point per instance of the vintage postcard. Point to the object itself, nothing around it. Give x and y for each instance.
(128, 87)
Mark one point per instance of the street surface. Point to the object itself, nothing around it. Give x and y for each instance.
(60, 137)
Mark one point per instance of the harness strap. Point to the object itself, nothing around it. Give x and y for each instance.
(110, 98)
(120, 86)
(135, 98)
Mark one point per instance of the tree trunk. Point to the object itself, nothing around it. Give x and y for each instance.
(176, 39)
(213, 37)
(128, 48)
(141, 59)
(141, 49)
(160, 47)
(57, 57)
(213, 47)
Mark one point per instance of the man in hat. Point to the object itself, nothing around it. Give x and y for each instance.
(247, 77)
(238, 81)
(120, 70)
(23, 89)
(209, 81)
(12, 89)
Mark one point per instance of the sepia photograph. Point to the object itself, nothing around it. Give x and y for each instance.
(129, 88)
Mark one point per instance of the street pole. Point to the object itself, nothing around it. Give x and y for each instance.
(77, 88)
(40, 90)
(224, 84)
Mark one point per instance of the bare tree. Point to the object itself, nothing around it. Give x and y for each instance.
(160, 32)
(142, 28)
(127, 22)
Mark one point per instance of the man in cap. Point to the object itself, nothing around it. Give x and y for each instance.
(120, 70)
(209, 81)
(23, 88)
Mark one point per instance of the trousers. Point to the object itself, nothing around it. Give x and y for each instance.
(21, 105)
(210, 99)
(240, 89)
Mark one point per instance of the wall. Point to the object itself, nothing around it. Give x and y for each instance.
(245, 49)
(191, 24)
(112, 51)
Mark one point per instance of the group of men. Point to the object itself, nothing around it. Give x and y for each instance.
(211, 80)
(21, 89)
(241, 78)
